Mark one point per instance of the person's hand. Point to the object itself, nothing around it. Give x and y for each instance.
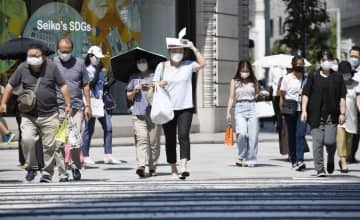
(163, 83)
(264, 93)
(87, 111)
(145, 86)
(341, 119)
(137, 88)
(228, 118)
(190, 44)
(303, 116)
(3, 108)
(68, 110)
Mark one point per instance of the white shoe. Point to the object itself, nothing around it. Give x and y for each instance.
(89, 161)
(109, 160)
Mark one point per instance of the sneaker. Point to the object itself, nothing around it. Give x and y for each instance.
(45, 179)
(8, 137)
(76, 174)
(30, 175)
(153, 172)
(109, 160)
(88, 161)
(300, 166)
(239, 163)
(64, 178)
(321, 173)
(140, 171)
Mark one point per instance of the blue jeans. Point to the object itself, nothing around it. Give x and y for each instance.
(247, 131)
(296, 137)
(89, 130)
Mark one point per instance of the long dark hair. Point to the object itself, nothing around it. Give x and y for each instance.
(295, 59)
(251, 78)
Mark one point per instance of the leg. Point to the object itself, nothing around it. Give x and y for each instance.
(318, 143)
(354, 147)
(241, 136)
(170, 140)
(87, 134)
(29, 137)
(300, 138)
(141, 136)
(330, 143)
(48, 128)
(291, 126)
(184, 125)
(343, 146)
(154, 137)
(21, 154)
(107, 127)
(253, 132)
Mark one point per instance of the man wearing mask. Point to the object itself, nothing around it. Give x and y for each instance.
(354, 60)
(43, 119)
(73, 70)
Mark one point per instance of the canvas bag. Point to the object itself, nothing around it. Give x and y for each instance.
(229, 136)
(162, 110)
(26, 97)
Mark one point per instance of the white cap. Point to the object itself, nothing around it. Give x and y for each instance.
(175, 43)
(96, 50)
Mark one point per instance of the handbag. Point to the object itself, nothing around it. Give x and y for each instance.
(229, 137)
(149, 94)
(289, 107)
(97, 107)
(162, 110)
(264, 109)
(74, 138)
(109, 101)
(26, 97)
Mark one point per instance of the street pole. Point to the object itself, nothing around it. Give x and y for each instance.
(338, 30)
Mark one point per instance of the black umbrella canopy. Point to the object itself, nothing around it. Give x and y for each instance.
(124, 65)
(17, 48)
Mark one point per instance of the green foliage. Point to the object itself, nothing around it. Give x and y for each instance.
(278, 48)
(305, 27)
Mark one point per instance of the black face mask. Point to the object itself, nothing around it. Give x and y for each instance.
(299, 69)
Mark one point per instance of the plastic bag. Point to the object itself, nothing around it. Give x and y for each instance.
(229, 137)
(74, 135)
(62, 132)
(161, 111)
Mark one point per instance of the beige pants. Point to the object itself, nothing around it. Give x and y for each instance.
(47, 127)
(343, 142)
(77, 116)
(147, 141)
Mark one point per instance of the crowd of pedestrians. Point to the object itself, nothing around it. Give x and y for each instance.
(71, 91)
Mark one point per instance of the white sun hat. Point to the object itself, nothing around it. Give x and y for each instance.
(96, 50)
(179, 42)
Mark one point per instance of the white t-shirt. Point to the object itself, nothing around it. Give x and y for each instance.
(292, 85)
(179, 82)
(275, 73)
(350, 124)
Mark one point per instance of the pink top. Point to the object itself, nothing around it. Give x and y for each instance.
(244, 91)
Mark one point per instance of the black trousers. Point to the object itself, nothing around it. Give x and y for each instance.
(182, 123)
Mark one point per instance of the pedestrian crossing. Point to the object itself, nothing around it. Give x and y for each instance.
(328, 198)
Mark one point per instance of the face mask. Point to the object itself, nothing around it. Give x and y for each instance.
(354, 62)
(64, 56)
(94, 60)
(142, 67)
(299, 69)
(347, 76)
(244, 75)
(176, 57)
(34, 61)
(326, 66)
(335, 67)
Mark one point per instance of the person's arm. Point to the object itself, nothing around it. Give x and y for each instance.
(86, 91)
(304, 103)
(66, 94)
(230, 101)
(5, 97)
(132, 90)
(342, 111)
(200, 59)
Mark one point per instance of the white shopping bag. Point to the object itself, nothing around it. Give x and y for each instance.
(74, 139)
(264, 109)
(161, 111)
(97, 107)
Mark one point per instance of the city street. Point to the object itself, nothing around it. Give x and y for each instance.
(216, 189)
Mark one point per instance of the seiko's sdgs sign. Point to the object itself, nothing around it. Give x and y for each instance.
(50, 25)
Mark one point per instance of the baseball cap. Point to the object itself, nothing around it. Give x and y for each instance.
(96, 50)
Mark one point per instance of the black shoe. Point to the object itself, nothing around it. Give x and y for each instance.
(45, 179)
(330, 165)
(76, 174)
(30, 175)
(300, 166)
(321, 173)
(140, 171)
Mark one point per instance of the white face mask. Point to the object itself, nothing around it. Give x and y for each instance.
(34, 61)
(94, 60)
(347, 76)
(176, 57)
(326, 65)
(64, 56)
(244, 75)
(142, 67)
(354, 62)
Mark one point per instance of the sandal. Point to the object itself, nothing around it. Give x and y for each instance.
(341, 168)
(239, 163)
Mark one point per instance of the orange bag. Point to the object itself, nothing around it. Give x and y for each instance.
(229, 138)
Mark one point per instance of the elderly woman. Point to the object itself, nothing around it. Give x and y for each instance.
(175, 76)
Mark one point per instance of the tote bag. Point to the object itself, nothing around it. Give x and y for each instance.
(229, 136)
(162, 110)
(97, 107)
